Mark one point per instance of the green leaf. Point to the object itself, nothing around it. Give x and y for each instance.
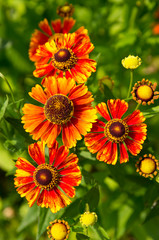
(16, 123)
(97, 57)
(153, 212)
(72, 210)
(80, 236)
(45, 216)
(88, 178)
(91, 198)
(10, 145)
(101, 232)
(29, 218)
(3, 108)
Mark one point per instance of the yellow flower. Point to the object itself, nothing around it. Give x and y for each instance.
(88, 218)
(131, 62)
(58, 230)
(147, 166)
(144, 92)
(65, 10)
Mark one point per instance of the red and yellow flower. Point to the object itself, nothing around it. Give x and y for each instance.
(128, 133)
(65, 107)
(48, 184)
(66, 56)
(45, 34)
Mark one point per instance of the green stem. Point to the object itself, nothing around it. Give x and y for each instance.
(131, 81)
(127, 99)
(37, 235)
(86, 231)
(137, 106)
(87, 207)
(11, 91)
(133, 16)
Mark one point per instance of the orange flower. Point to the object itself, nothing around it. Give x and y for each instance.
(65, 107)
(155, 29)
(41, 37)
(68, 55)
(128, 133)
(43, 183)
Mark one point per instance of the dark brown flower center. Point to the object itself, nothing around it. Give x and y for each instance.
(62, 55)
(116, 130)
(46, 176)
(58, 109)
(64, 59)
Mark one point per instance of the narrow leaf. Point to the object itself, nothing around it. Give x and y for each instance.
(3, 108)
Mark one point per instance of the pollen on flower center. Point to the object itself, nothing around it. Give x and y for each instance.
(58, 109)
(64, 59)
(59, 231)
(144, 92)
(131, 62)
(147, 165)
(65, 8)
(62, 55)
(46, 176)
(116, 130)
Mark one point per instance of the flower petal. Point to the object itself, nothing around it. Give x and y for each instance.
(24, 164)
(95, 142)
(117, 107)
(37, 152)
(138, 136)
(38, 94)
(69, 190)
(71, 133)
(25, 189)
(108, 153)
(70, 160)
(32, 196)
(61, 155)
(133, 147)
(44, 25)
(20, 181)
(135, 118)
(53, 152)
(98, 126)
(124, 157)
(51, 134)
(43, 69)
(103, 111)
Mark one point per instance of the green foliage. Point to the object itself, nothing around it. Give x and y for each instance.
(127, 204)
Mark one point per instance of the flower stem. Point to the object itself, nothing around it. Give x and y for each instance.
(87, 207)
(86, 231)
(137, 106)
(11, 91)
(131, 81)
(37, 235)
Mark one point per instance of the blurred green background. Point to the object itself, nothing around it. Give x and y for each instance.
(126, 203)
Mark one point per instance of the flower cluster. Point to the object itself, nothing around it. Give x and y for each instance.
(63, 113)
